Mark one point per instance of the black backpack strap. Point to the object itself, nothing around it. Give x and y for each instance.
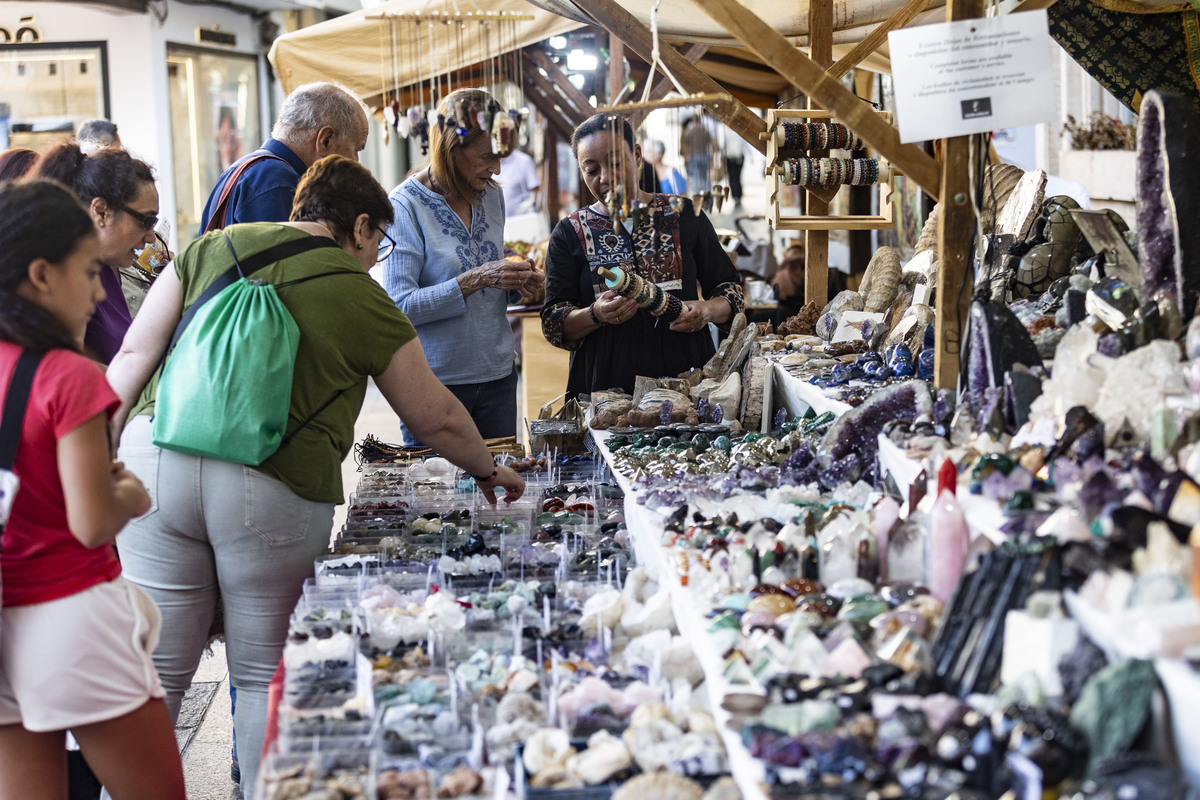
(254, 263)
(15, 402)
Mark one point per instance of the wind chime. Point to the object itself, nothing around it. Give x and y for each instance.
(633, 214)
(421, 50)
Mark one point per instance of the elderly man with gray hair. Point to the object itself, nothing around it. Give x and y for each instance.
(317, 120)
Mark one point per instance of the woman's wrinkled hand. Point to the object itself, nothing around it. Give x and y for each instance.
(509, 275)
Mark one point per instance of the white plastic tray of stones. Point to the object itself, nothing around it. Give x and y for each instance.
(327, 676)
(646, 528)
(346, 570)
(332, 773)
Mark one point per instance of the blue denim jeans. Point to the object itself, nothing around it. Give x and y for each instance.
(218, 527)
(492, 405)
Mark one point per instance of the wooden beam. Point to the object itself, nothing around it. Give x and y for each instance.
(871, 42)
(537, 56)
(637, 37)
(693, 53)
(816, 242)
(811, 79)
(540, 93)
(956, 221)
(616, 68)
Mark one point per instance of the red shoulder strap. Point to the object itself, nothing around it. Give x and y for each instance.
(217, 220)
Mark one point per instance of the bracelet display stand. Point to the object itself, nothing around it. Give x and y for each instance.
(778, 155)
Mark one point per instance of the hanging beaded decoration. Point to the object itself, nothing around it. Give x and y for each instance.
(818, 136)
(830, 171)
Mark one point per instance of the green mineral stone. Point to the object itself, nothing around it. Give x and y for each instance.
(666, 441)
(726, 621)
(735, 602)
(862, 609)
(700, 442)
(422, 690)
(752, 437)
(617, 441)
(723, 443)
(1021, 500)
(1113, 707)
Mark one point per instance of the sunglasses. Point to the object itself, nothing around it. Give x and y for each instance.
(147, 221)
(386, 246)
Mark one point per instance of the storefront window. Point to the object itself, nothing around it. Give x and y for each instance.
(214, 121)
(47, 89)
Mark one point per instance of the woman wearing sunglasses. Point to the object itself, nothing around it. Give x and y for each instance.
(118, 191)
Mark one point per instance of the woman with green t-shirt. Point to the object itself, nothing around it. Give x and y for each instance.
(250, 534)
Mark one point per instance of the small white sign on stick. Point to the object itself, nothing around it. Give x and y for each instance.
(972, 76)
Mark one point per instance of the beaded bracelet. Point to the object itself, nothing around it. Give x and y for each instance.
(488, 479)
(595, 320)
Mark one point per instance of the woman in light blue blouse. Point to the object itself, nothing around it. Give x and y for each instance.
(448, 273)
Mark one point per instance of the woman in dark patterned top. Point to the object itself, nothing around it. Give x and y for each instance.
(611, 339)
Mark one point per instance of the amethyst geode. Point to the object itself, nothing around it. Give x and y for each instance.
(1168, 236)
(857, 431)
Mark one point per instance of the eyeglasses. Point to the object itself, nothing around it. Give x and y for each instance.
(386, 246)
(147, 221)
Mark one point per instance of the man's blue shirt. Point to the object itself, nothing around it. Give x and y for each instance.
(265, 191)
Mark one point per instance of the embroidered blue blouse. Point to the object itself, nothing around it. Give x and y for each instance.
(466, 339)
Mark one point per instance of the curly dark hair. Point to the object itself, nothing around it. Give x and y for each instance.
(42, 219)
(601, 123)
(110, 174)
(334, 191)
(15, 163)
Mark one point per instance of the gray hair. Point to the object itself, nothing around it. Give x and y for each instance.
(94, 134)
(314, 105)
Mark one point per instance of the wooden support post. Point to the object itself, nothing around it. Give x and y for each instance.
(956, 219)
(550, 179)
(637, 37)
(616, 68)
(811, 79)
(693, 53)
(816, 243)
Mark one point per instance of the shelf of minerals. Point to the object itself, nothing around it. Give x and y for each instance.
(449, 647)
(911, 639)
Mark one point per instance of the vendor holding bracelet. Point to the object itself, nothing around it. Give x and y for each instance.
(611, 337)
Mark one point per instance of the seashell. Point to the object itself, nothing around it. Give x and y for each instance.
(879, 283)
(661, 785)
(928, 240)
(998, 184)
(548, 747)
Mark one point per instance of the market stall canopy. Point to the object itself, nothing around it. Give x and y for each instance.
(354, 49)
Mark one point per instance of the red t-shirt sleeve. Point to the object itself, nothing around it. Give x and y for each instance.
(70, 390)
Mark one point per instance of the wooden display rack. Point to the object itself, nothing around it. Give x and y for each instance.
(822, 222)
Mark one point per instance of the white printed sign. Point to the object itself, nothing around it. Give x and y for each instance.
(972, 76)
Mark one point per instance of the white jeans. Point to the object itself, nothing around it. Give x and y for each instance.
(215, 527)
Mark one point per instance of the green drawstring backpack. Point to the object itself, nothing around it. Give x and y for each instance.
(226, 384)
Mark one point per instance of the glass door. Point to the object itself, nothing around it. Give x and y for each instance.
(47, 89)
(213, 98)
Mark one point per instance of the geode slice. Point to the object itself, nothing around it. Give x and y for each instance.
(857, 431)
(998, 342)
(1168, 237)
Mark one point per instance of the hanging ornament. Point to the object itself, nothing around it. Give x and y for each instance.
(460, 119)
(707, 204)
(423, 132)
(389, 115)
(504, 134)
(676, 203)
(414, 116)
(639, 214)
(718, 193)
(473, 116)
(403, 126)
(697, 201)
